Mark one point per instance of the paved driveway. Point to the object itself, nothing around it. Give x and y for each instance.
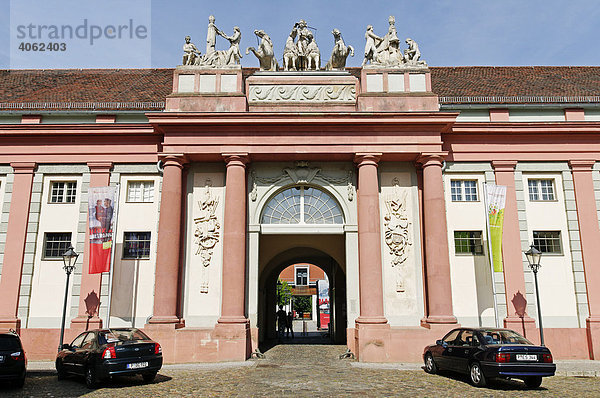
(298, 371)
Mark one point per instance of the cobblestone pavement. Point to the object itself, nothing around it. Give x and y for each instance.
(299, 371)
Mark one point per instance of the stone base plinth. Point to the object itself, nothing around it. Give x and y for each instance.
(397, 102)
(10, 323)
(202, 89)
(310, 91)
(592, 325)
(234, 341)
(524, 326)
(83, 323)
(372, 342)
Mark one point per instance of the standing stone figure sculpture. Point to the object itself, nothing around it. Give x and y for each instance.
(265, 53)
(371, 46)
(190, 52)
(385, 52)
(217, 58)
(233, 55)
(339, 53)
(211, 35)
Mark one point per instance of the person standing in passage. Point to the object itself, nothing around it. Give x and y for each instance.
(281, 322)
(289, 324)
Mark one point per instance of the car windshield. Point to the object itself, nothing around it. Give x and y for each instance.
(503, 337)
(8, 342)
(116, 335)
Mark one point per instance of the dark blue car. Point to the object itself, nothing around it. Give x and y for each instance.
(486, 353)
(102, 353)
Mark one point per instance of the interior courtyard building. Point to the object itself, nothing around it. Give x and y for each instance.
(374, 175)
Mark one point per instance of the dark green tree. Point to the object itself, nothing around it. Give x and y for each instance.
(284, 292)
(303, 303)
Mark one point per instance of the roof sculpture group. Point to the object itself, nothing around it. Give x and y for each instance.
(301, 52)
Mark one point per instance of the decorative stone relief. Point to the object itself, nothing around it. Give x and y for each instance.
(397, 234)
(384, 52)
(301, 174)
(207, 232)
(302, 93)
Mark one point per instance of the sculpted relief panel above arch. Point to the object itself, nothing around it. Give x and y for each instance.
(266, 181)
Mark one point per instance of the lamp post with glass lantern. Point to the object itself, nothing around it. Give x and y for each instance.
(533, 258)
(69, 259)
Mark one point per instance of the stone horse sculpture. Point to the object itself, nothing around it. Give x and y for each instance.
(265, 53)
(290, 52)
(313, 55)
(339, 53)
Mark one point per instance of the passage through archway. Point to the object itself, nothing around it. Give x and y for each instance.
(293, 267)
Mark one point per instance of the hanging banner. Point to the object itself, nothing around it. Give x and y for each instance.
(103, 205)
(495, 200)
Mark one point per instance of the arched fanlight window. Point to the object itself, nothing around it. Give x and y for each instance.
(302, 205)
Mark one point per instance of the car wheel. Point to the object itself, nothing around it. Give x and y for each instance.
(60, 370)
(19, 383)
(533, 381)
(430, 365)
(477, 376)
(149, 377)
(90, 377)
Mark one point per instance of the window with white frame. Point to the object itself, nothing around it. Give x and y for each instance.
(541, 189)
(468, 242)
(302, 205)
(140, 191)
(55, 244)
(63, 191)
(547, 241)
(463, 190)
(136, 245)
(301, 276)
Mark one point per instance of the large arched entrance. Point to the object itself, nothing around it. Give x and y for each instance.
(268, 290)
(301, 224)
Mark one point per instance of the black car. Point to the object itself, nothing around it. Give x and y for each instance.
(485, 353)
(102, 353)
(13, 362)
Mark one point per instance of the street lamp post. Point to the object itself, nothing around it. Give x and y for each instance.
(533, 258)
(69, 259)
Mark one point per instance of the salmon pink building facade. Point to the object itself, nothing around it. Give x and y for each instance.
(229, 176)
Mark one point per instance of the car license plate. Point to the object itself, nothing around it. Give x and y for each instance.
(137, 365)
(526, 357)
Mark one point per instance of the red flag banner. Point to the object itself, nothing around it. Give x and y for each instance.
(103, 204)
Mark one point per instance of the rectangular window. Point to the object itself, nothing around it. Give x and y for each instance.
(301, 276)
(63, 192)
(463, 190)
(541, 190)
(468, 242)
(547, 241)
(136, 245)
(56, 243)
(140, 191)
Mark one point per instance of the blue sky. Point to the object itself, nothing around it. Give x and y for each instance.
(449, 32)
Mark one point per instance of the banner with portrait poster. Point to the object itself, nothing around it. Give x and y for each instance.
(103, 205)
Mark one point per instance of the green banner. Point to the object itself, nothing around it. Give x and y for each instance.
(496, 198)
